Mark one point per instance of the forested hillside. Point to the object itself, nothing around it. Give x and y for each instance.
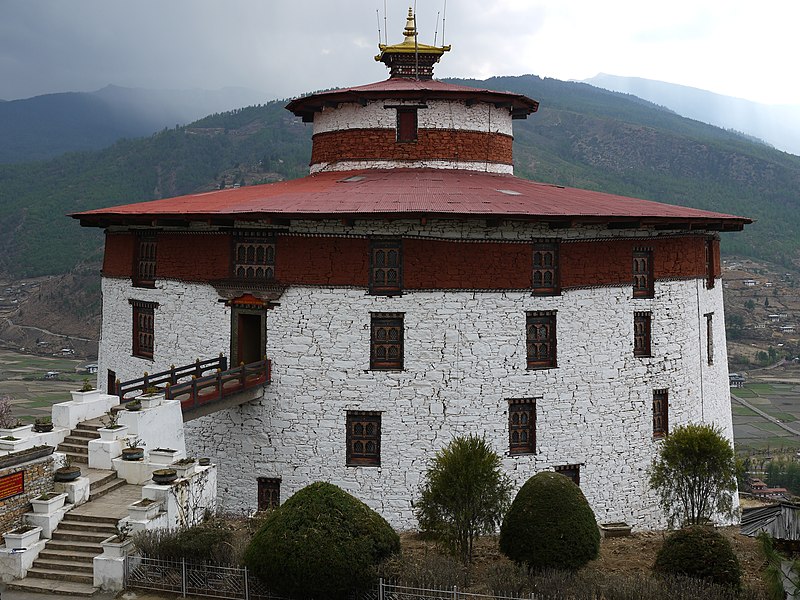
(582, 136)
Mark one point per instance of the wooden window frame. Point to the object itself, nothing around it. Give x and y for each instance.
(380, 250)
(660, 413)
(572, 472)
(247, 264)
(357, 438)
(145, 260)
(269, 493)
(523, 426)
(710, 337)
(407, 124)
(542, 272)
(642, 334)
(643, 284)
(386, 321)
(538, 339)
(710, 261)
(143, 329)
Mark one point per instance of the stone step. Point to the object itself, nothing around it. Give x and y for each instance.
(60, 575)
(102, 481)
(62, 564)
(66, 525)
(74, 555)
(52, 587)
(101, 491)
(74, 448)
(82, 459)
(68, 546)
(90, 518)
(91, 425)
(78, 440)
(65, 535)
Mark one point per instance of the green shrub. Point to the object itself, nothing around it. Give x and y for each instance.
(702, 553)
(321, 543)
(207, 542)
(550, 525)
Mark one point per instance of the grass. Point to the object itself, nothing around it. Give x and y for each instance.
(742, 411)
(743, 393)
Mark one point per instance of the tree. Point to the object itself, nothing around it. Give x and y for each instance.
(550, 525)
(694, 474)
(464, 494)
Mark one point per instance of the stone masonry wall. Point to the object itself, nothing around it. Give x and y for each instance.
(37, 480)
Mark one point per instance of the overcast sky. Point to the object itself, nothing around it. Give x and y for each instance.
(285, 48)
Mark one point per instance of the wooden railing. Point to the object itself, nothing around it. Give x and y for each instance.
(204, 390)
(128, 390)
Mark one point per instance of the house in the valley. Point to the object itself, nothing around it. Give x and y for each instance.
(411, 289)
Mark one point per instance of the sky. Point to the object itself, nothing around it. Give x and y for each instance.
(285, 48)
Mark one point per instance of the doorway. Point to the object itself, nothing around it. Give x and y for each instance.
(248, 335)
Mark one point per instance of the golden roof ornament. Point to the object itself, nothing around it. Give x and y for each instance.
(409, 58)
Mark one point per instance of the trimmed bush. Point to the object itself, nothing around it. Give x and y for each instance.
(702, 553)
(321, 543)
(550, 525)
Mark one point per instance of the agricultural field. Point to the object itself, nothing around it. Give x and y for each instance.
(752, 431)
(22, 376)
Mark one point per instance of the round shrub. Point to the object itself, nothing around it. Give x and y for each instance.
(550, 525)
(321, 543)
(702, 553)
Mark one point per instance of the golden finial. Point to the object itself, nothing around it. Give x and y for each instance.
(411, 27)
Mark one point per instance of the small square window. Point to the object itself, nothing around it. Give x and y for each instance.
(660, 413)
(522, 426)
(545, 269)
(386, 267)
(641, 334)
(144, 274)
(143, 328)
(363, 438)
(406, 124)
(643, 274)
(386, 343)
(573, 472)
(269, 493)
(540, 332)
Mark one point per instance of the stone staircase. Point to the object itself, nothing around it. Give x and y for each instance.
(76, 444)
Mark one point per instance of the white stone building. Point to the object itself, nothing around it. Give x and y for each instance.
(411, 289)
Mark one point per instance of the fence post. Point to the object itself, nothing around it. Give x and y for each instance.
(380, 588)
(183, 578)
(246, 585)
(455, 592)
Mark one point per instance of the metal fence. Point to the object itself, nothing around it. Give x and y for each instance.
(388, 591)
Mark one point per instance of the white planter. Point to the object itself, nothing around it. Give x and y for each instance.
(21, 432)
(162, 456)
(22, 540)
(85, 396)
(16, 444)
(184, 470)
(144, 509)
(150, 400)
(116, 549)
(110, 434)
(48, 506)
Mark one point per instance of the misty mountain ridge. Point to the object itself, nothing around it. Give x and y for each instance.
(777, 125)
(47, 126)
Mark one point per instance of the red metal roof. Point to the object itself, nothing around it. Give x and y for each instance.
(406, 88)
(396, 193)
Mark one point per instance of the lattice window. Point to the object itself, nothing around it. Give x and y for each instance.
(269, 493)
(710, 255)
(386, 343)
(643, 274)
(363, 438)
(144, 274)
(386, 267)
(522, 426)
(545, 268)
(143, 328)
(406, 124)
(254, 258)
(541, 339)
(573, 472)
(710, 337)
(660, 413)
(641, 333)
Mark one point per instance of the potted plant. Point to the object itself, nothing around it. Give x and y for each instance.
(22, 537)
(48, 503)
(144, 510)
(134, 404)
(86, 392)
(43, 424)
(134, 450)
(119, 544)
(16, 429)
(68, 472)
(184, 467)
(164, 476)
(151, 398)
(162, 456)
(112, 429)
(204, 461)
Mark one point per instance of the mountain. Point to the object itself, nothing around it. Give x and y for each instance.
(778, 125)
(47, 126)
(582, 136)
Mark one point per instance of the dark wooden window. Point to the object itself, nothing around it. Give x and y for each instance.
(573, 472)
(406, 124)
(641, 334)
(643, 274)
(545, 268)
(660, 413)
(710, 337)
(144, 316)
(386, 267)
(386, 341)
(522, 426)
(269, 493)
(710, 263)
(144, 273)
(363, 438)
(254, 257)
(540, 329)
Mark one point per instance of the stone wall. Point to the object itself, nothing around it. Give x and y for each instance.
(37, 479)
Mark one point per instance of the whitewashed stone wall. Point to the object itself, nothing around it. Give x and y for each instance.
(439, 114)
(355, 165)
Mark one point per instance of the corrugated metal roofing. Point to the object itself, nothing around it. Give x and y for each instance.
(408, 192)
(780, 521)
